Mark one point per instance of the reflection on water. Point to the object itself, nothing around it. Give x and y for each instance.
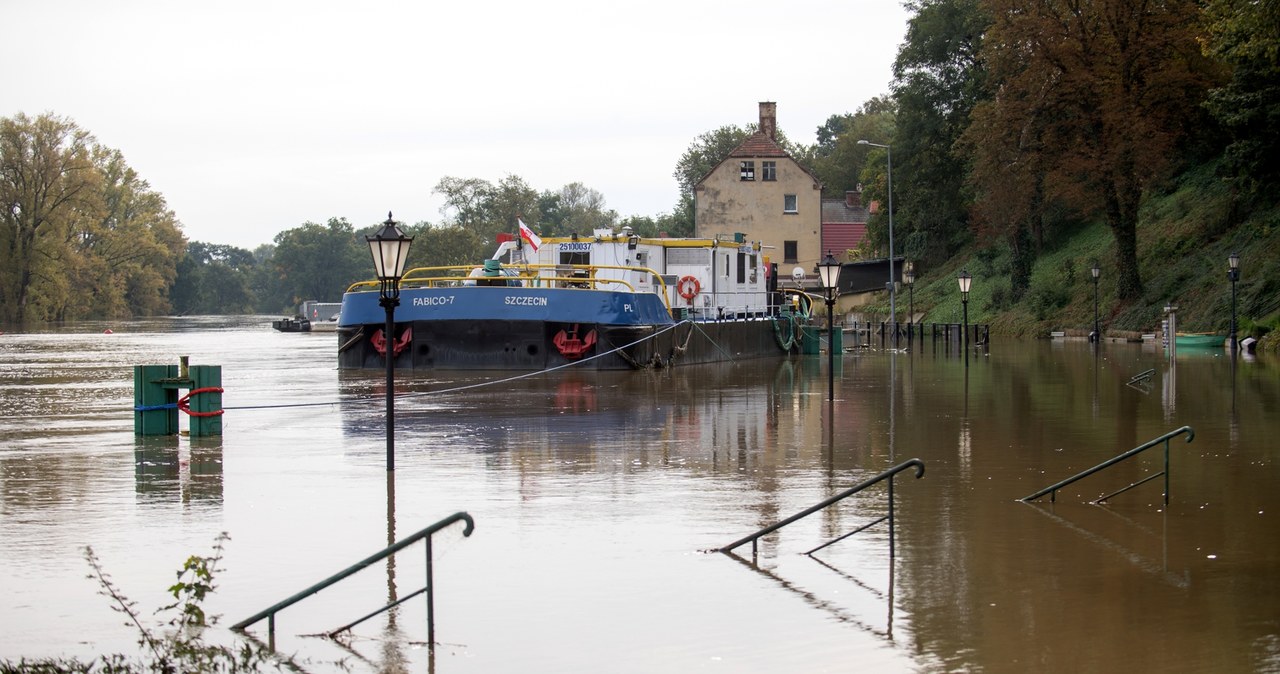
(594, 493)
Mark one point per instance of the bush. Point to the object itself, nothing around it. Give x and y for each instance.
(1045, 300)
(178, 649)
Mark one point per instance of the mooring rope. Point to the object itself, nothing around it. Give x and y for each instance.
(456, 389)
(714, 343)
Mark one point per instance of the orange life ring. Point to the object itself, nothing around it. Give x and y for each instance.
(688, 287)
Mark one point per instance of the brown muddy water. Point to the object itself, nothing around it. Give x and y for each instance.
(596, 495)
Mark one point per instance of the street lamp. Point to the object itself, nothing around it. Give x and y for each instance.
(965, 281)
(390, 249)
(829, 272)
(1097, 333)
(888, 153)
(909, 278)
(1233, 273)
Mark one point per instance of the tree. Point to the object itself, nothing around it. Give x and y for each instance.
(582, 210)
(829, 132)
(1245, 35)
(319, 261)
(446, 245)
(463, 200)
(840, 168)
(47, 183)
(938, 79)
(485, 209)
(132, 243)
(705, 153)
(214, 279)
(1109, 82)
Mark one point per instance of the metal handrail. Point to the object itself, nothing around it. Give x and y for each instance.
(270, 613)
(1142, 376)
(1053, 490)
(888, 474)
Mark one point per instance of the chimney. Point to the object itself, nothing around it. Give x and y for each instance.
(853, 198)
(769, 119)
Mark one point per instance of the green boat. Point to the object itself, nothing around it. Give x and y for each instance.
(1200, 340)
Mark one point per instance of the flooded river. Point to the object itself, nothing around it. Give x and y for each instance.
(596, 497)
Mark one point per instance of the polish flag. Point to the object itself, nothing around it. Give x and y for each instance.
(528, 236)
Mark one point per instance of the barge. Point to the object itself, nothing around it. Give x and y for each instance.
(610, 301)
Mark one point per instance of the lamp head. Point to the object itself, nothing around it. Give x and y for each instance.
(390, 249)
(829, 271)
(965, 281)
(1233, 261)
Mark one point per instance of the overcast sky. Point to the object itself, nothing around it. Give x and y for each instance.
(255, 117)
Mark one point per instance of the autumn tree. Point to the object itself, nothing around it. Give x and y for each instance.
(1106, 88)
(81, 234)
(129, 246)
(47, 180)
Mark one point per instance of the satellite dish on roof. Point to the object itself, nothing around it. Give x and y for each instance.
(798, 274)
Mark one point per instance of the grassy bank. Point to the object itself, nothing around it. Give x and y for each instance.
(1184, 238)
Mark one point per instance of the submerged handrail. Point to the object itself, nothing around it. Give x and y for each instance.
(270, 613)
(1053, 490)
(888, 474)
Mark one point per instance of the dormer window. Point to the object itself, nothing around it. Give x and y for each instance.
(747, 170)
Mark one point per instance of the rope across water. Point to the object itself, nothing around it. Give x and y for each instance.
(494, 382)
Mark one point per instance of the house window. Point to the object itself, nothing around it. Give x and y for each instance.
(769, 170)
(789, 203)
(789, 252)
(747, 170)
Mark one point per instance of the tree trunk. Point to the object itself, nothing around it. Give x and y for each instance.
(1123, 220)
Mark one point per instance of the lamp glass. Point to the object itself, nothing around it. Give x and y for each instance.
(1096, 270)
(965, 280)
(829, 271)
(390, 250)
(1234, 260)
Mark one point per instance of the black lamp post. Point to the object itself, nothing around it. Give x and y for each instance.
(1233, 273)
(965, 281)
(829, 271)
(909, 278)
(1097, 332)
(390, 249)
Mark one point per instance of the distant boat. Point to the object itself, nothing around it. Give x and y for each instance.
(1200, 340)
(323, 315)
(295, 324)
